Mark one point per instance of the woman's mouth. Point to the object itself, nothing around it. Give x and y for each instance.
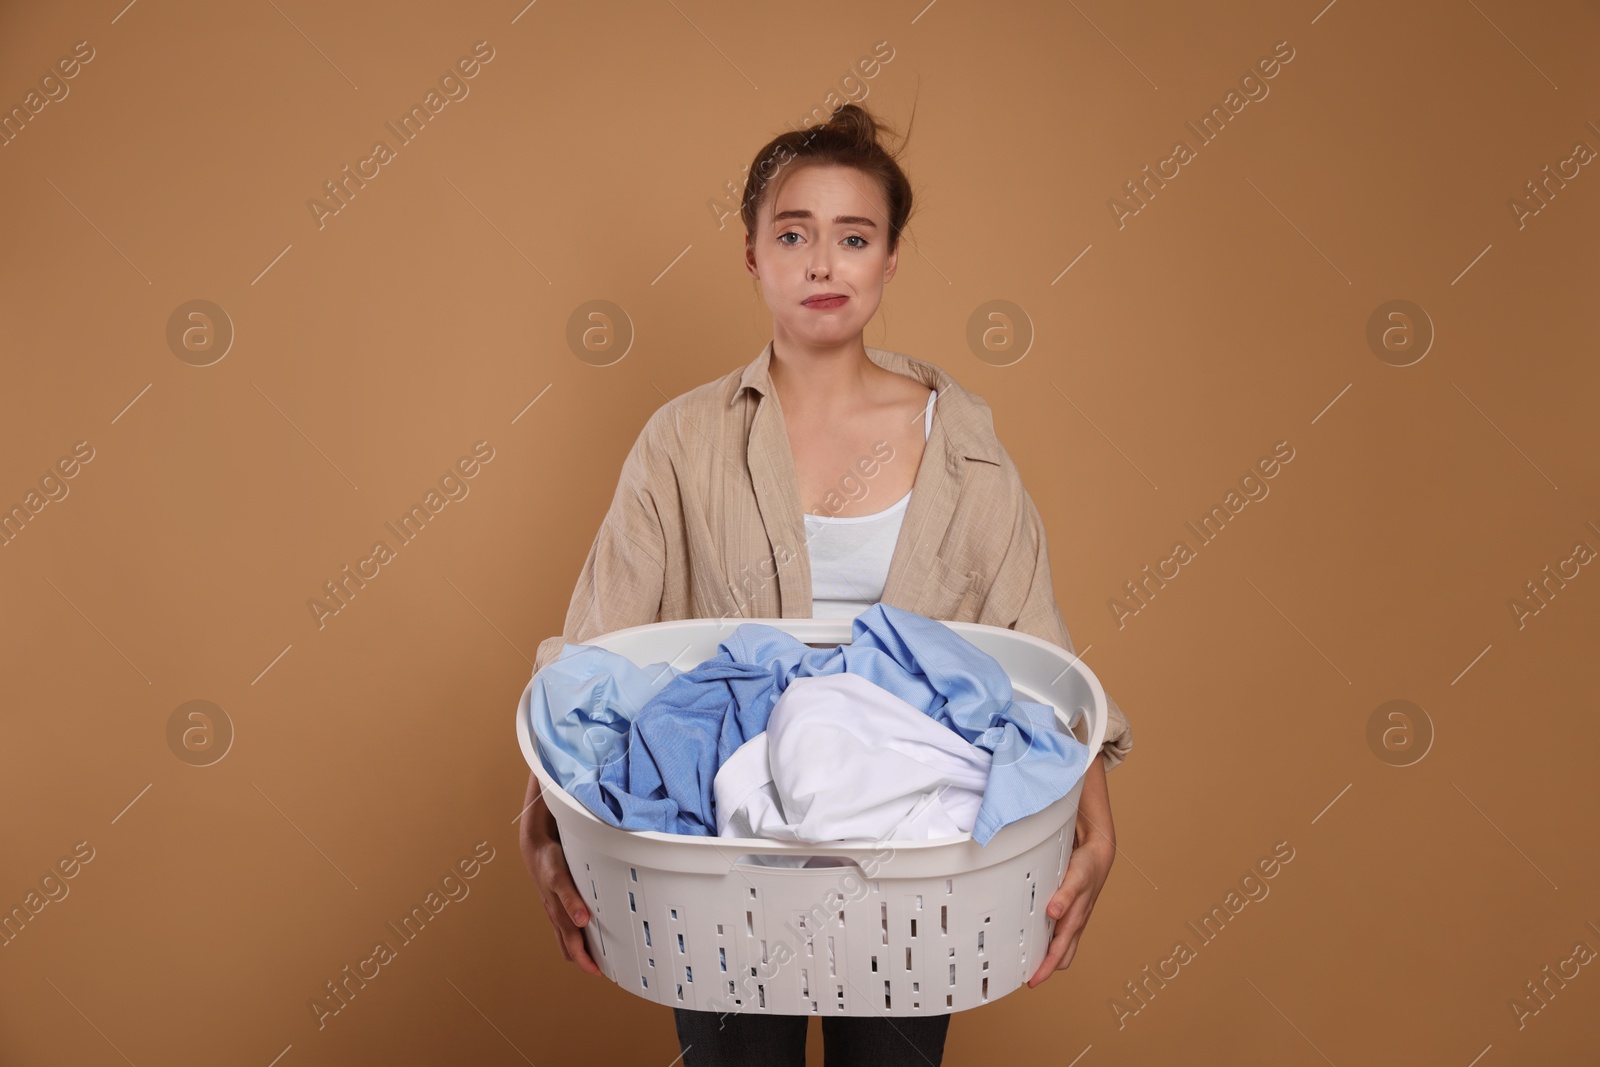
(825, 301)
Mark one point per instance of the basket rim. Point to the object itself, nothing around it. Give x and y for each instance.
(802, 628)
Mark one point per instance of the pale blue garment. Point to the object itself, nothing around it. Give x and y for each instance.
(663, 779)
(581, 705)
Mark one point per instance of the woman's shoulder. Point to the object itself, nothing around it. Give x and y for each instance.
(968, 419)
(701, 418)
(933, 375)
(694, 415)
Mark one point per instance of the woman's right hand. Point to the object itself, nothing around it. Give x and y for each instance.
(547, 862)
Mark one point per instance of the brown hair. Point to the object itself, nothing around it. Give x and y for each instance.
(849, 138)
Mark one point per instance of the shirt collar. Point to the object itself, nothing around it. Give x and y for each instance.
(968, 429)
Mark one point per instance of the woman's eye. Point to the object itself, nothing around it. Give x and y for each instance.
(852, 237)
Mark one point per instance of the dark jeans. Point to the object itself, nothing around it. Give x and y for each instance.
(711, 1039)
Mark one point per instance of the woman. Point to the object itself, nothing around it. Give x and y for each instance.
(915, 503)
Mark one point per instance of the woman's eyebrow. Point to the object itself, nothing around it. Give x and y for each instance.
(839, 220)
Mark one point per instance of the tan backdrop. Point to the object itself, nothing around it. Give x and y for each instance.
(1378, 258)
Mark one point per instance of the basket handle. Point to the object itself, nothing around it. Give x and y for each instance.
(811, 862)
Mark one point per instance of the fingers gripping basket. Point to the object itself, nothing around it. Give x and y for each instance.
(886, 928)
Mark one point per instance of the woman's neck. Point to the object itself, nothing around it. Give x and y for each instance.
(830, 379)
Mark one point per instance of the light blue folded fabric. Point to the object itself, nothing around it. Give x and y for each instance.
(661, 779)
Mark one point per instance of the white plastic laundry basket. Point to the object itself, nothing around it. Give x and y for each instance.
(890, 928)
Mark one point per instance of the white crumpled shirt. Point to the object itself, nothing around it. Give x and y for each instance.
(842, 758)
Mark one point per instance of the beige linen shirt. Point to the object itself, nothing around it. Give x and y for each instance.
(707, 523)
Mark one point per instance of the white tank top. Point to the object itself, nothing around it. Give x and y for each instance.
(850, 554)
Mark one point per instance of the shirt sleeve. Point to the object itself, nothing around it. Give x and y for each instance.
(622, 579)
(1027, 564)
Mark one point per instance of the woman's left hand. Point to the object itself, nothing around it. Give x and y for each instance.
(1094, 847)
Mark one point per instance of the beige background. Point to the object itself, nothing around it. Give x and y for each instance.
(373, 753)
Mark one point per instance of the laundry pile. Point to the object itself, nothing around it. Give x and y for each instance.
(909, 732)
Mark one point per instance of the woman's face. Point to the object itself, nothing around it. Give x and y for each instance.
(826, 232)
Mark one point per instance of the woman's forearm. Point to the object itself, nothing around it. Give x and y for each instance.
(1094, 810)
(538, 821)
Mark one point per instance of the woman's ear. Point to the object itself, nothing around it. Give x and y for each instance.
(750, 258)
